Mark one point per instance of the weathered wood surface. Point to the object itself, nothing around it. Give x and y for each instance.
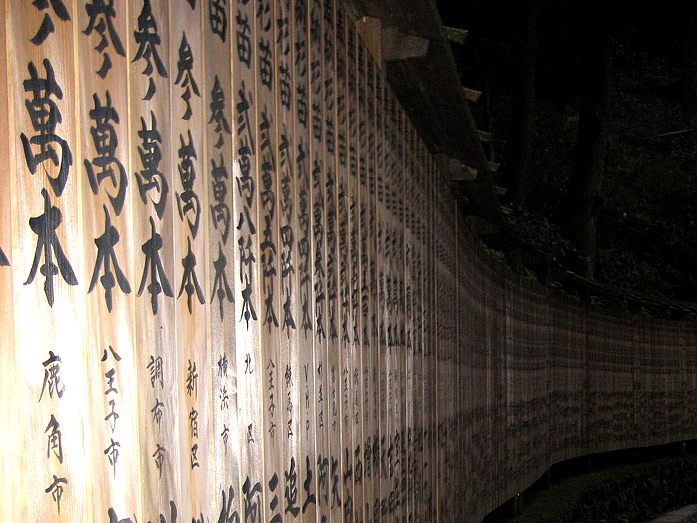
(234, 287)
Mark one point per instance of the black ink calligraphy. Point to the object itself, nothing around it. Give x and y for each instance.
(45, 116)
(47, 243)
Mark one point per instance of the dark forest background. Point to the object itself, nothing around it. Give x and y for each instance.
(593, 112)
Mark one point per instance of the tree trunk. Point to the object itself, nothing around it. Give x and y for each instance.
(522, 131)
(584, 185)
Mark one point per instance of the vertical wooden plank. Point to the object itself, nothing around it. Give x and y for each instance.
(222, 273)
(364, 218)
(409, 315)
(382, 492)
(288, 261)
(463, 370)
(354, 246)
(248, 305)
(439, 350)
(371, 446)
(319, 254)
(389, 325)
(150, 143)
(332, 277)
(306, 305)
(419, 341)
(346, 311)
(451, 246)
(108, 242)
(342, 478)
(269, 276)
(47, 261)
(431, 385)
(188, 154)
(12, 424)
(399, 307)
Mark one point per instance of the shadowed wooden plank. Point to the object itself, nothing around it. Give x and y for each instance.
(306, 305)
(319, 254)
(334, 346)
(161, 390)
(222, 272)
(189, 260)
(342, 480)
(269, 261)
(289, 400)
(248, 305)
(13, 447)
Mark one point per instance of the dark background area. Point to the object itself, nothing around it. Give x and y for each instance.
(643, 208)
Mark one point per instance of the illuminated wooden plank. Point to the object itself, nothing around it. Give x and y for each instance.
(389, 239)
(190, 201)
(12, 424)
(410, 241)
(451, 420)
(152, 193)
(430, 491)
(319, 255)
(307, 471)
(355, 268)
(461, 370)
(248, 227)
(221, 274)
(467, 357)
(364, 273)
(345, 478)
(419, 341)
(393, 330)
(333, 397)
(268, 261)
(399, 307)
(47, 264)
(288, 263)
(440, 367)
(382, 488)
(408, 319)
(371, 452)
(109, 271)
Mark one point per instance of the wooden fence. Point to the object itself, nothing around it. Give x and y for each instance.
(234, 287)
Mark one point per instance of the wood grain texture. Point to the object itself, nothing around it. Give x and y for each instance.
(47, 265)
(106, 176)
(220, 221)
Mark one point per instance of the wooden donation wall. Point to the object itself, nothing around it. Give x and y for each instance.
(234, 288)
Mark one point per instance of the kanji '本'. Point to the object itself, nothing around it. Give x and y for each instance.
(153, 265)
(44, 227)
(107, 257)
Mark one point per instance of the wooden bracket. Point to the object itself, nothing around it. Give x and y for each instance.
(456, 35)
(472, 95)
(370, 30)
(484, 136)
(399, 46)
(387, 43)
(454, 169)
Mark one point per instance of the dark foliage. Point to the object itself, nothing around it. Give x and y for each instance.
(646, 234)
